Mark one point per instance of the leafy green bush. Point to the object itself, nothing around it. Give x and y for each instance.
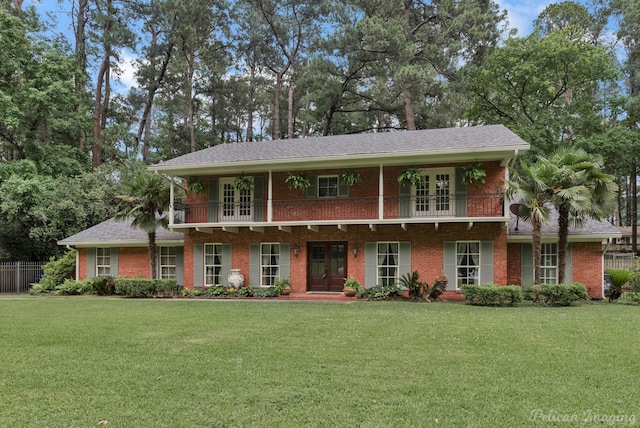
(528, 293)
(40, 288)
(72, 288)
(214, 291)
(266, 292)
(382, 292)
(245, 292)
(143, 287)
(57, 271)
(563, 294)
(103, 285)
(619, 278)
(492, 295)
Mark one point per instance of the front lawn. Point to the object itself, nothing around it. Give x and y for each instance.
(73, 362)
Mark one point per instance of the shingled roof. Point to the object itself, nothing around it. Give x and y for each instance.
(469, 141)
(592, 230)
(112, 233)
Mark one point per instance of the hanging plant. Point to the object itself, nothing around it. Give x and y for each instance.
(243, 183)
(350, 177)
(195, 185)
(297, 181)
(473, 173)
(410, 177)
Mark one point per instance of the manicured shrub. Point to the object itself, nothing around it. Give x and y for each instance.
(245, 292)
(72, 288)
(492, 295)
(143, 287)
(382, 292)
(563, 294)
(103, 285)
(214, 291)
(56, 272)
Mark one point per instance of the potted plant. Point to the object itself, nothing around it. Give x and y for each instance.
(410, 177)
(243, 183)
(352, 287)
(350, 177)
(297, 181)
(473, 173)
(283, 287)
(195, 185)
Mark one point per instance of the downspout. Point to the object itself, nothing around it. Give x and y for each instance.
(70, 248)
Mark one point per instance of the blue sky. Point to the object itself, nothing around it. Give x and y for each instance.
(521, 14)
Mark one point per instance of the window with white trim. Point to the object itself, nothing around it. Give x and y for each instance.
(103, 261)
(549, 263)
(468, 262)
(327, 186)
(433, 195)
(212, 264)
(388, 264)
(269, 264)
(167, 262)
(235, 204)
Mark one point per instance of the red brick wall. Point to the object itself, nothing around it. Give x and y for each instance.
(134, 262)
(427, 245)
(514, 267)
(586, 265)
(586, 262)
(483, 199)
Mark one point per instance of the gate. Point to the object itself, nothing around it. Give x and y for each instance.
(16, 277)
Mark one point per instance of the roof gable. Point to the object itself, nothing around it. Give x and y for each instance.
(468, 141)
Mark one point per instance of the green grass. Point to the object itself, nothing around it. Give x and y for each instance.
(72, 362)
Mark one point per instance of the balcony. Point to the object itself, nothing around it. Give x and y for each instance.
(337, 210)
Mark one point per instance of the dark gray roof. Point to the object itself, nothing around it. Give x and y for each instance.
(450, 140)
(591, 228)
(111, 233)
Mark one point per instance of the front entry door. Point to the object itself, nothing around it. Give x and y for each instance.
(327, 266)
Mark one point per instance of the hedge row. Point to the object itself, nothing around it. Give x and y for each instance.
(549, 294)
(143, 287)
(492, 295)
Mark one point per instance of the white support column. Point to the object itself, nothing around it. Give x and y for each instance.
(381, 194)
(171, 212)
(270, 198)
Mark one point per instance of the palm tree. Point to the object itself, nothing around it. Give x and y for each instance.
(147, 198)
(530, 184)
(581, 190)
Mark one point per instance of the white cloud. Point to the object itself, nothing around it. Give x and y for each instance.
(522, 13)
(128, 67)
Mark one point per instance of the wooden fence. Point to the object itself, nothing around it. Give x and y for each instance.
(16, 277)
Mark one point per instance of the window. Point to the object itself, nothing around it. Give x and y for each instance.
(103, 261)
(388, 264)
(549, 263)
(433, 195)
(235, 204)
(212, 264)
(269, 264)
(167, 262)
(328, 186)
(468, 262)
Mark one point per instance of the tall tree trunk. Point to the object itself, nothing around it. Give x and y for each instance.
(408, 110)
(190, 107)
(276, 105)
(152, 255)
(563, 241)
(634, 206)
(96, 145)
(81, 59)
(537, 254)
(292, 88)
(252, 101)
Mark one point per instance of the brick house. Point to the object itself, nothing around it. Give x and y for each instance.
(375, 230)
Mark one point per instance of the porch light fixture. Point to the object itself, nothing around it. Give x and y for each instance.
(296, 250)
(354, 250)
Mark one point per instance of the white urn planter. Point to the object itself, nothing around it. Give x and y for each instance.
(236, 279)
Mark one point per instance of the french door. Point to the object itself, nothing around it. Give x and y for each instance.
(327, 266)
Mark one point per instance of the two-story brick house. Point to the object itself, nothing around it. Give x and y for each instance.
(375, 230)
